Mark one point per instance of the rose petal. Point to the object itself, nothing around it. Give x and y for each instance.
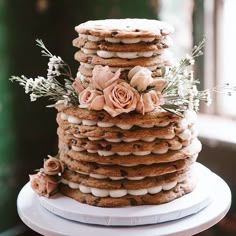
(53, 166)
(148, 102)
(141, 79)
(133, 71)
(103, 77)
(78, 86)
(159, 84)
(120, 98)
(97, 103)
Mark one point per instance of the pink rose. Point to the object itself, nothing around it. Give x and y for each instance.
(120, 98)
(43, 185)
(78, 86)
(140, 78)
(103, 77)
(159, 84)
(148, 102)
(133, 71)
(53, 166)
(91, 99)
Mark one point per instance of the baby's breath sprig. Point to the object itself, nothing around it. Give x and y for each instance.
(53, 86)
(226, 88)
(181, 92)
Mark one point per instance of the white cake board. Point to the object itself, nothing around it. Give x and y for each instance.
(135, 215)
(46, 223)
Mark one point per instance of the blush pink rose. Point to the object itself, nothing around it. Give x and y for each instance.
(91, 99)
(120, 98)
(103, 77)
(53, 166)
(43, 185)
(148, 102)
(159, 84)
(140, 78)
(78, 86)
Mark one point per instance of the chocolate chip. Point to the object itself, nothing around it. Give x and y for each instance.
(73, 141)
(96, 201)
(137, 30)
(100, 116)
(83, 144)
(108, 147)
(114, 33)
(123, 173)
(133, 202)
(168, 144)
(120, 135)
(175, 166)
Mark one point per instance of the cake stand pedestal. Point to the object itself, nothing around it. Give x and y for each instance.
(46, 223)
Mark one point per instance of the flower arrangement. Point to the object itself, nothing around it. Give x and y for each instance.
(176, 91)
(47, 179)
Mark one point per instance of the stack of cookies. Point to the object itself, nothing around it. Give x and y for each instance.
(130, 159)
(123, 44)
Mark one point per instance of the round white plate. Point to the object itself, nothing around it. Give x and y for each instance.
(136, 215)
(48, 224)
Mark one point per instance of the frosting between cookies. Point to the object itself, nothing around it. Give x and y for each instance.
(116, 40)
(98, 176)
(119, 192)
(114, 69)
(140, 153)
(75, 120)
(126, 55)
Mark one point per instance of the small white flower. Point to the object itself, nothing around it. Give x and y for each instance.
(196, 104)
(208, 97)
(33, 97)
(192, 61)
(188, 57)
(53, 86)
(194, 90)
(29, 85)
(180, 90)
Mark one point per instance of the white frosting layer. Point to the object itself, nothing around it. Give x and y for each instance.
(120, 192)
(126, 55)
(140, 153)
(116, 40)
(114, 69)
(185, 135)
(75, 120)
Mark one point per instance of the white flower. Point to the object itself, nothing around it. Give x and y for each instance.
(29, 85)
(188, 57)
(196, 104)
(208, 97)
(54, 65)
(181, 90)
(33, 97)
(192, 61)
(194, 90)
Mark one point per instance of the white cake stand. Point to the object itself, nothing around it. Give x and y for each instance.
(47, 223)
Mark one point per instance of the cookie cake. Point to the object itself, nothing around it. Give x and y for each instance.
(126, 123)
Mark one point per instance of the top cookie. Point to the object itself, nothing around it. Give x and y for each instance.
(125, 28)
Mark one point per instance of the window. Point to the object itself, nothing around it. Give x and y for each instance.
(227, 104)
(215, 20)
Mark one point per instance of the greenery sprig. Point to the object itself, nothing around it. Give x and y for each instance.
(53, 86)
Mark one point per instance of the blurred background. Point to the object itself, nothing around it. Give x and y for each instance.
(28, 130)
